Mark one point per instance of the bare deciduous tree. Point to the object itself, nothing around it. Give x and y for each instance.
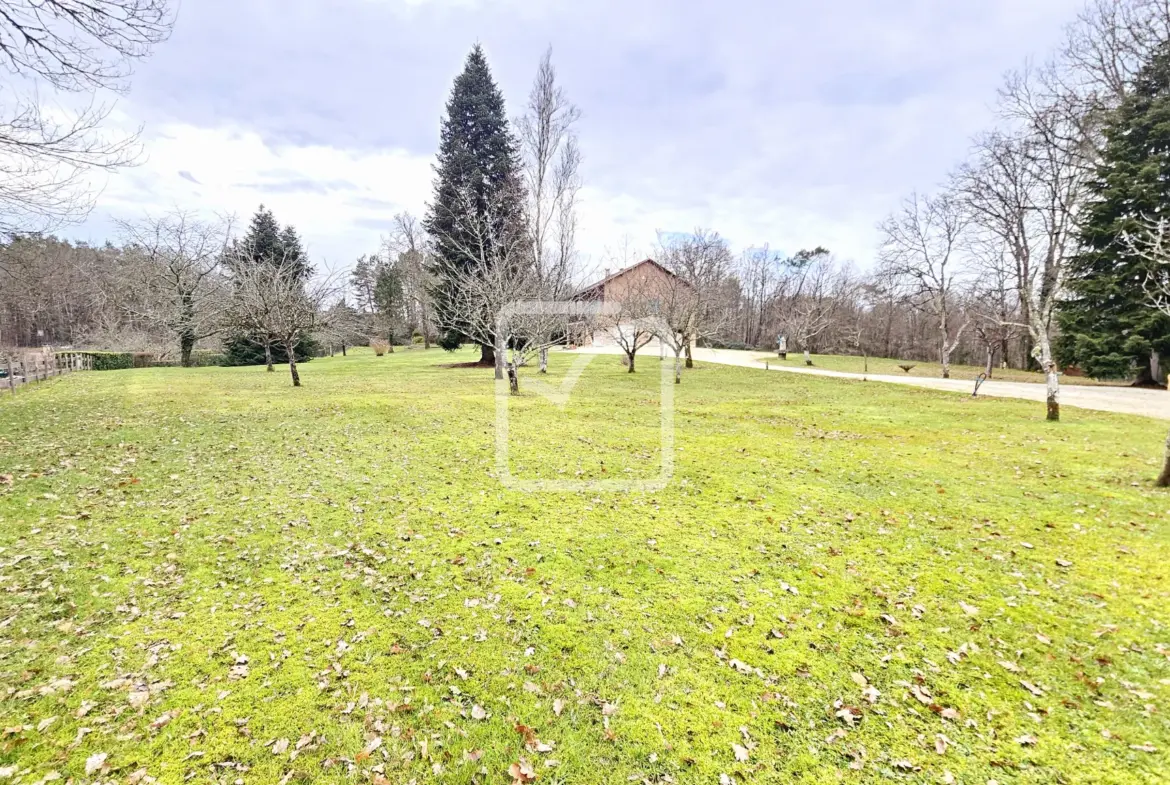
(551, 163)
(1023, 190)
(409, 245)
(272, 303)
(175, 260)
(1152, 243)
(920, 251)
(691, 303)
(500, 272)
(75, 46)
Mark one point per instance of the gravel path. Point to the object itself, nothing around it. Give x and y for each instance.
(1125, 400)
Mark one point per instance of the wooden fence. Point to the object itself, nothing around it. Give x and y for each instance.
(29, 367)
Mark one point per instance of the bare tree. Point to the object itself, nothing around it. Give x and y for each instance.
(500, 272)
(920, 252)
(551, 163)
(690, 301)
(74, 46)
(1023, 190)
(273, 303)
(1151, 242)
(409, 245)
(175, 261)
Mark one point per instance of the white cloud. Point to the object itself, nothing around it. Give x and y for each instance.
(341, 201)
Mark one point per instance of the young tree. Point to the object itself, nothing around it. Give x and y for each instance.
(273, 302)
(477, 200)
(808, 303)
(498, 272)
(691, 304)
(266, 244)
(920, 252)
(175, 259)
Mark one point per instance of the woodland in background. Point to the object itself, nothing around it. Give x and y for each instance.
(1013, 260)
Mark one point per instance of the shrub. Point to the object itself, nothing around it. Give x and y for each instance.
(241, 350)
(202, 358)
(117, 361)
(379, 346)
(416, 338)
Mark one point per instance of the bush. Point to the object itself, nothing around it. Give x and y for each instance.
(203, 358)
(116, 361)
(718, 343)
(241, 350)
(416, 338)
(379, 346)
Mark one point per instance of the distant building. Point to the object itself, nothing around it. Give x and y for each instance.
(648, 281)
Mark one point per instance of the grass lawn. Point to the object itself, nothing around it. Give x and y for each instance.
(880, 365)
(211, 576)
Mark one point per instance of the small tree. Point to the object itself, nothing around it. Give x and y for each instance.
(272, 302)
(495, 270)
(920, 253)
(691, 301)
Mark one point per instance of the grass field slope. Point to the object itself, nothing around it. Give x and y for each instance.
(209, 576)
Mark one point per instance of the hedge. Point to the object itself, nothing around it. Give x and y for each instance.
(117, 361)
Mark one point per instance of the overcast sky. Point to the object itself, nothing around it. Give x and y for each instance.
(789, 123)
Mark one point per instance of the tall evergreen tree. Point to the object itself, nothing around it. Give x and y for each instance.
(1107, 326)
(477, 194)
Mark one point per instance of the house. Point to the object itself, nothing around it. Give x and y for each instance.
(639, 289)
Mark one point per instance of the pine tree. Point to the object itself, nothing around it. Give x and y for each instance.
(477, 155)
(1107, 327)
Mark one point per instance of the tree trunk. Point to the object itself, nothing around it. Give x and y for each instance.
(677, 367)
(630, 364)
(1164, 478)
(513, 379)
(1155, 367)
(268, 356)
(425, 326)
(186, 345)
(990, 357)
(487, 356)
(544, 360)
(343, 350)
(497, 357)
(807, 357)
(1051, 379)
(292, 366)
(690, 360)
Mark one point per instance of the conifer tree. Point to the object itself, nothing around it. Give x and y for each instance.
(477, 193)
(1107, 326)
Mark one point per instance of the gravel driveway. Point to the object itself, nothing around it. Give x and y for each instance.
(1125, 400)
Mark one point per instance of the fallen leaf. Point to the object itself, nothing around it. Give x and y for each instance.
(521, 772)
(95, 762)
